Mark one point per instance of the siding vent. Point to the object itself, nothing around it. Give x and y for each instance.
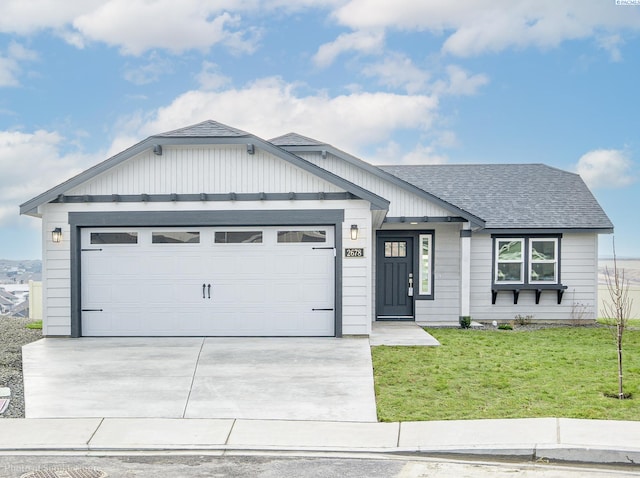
(157, 150)
(251, 148)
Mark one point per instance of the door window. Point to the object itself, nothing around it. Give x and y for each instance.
(395, 249)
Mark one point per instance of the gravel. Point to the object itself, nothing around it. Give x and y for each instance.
(13, 335)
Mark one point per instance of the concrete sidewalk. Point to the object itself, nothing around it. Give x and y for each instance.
(554, 439)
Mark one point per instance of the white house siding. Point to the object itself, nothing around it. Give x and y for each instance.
(403, 203)
(208, 169)
(579, 262)
(204, 169)
(445, 307)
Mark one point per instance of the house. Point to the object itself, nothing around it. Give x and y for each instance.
(211, 231)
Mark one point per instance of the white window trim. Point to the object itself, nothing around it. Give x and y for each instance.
(554, 261)
(421, 291)
(521, 240)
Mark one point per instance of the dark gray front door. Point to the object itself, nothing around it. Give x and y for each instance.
(394, 299)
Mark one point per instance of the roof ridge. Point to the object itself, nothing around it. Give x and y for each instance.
(295, 139)
(204, 129)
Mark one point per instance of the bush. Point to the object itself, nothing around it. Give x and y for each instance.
(465, 322)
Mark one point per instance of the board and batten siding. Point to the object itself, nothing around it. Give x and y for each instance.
(403, 203)
(204, 169)
(579, 265)
(56, 257)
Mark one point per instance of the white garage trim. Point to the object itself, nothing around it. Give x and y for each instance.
(80, 220)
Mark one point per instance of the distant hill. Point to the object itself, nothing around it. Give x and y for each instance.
(20, 272)
(631, 269)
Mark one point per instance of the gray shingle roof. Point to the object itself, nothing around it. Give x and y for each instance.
(294, 139)
(511, 195)
(206, 129)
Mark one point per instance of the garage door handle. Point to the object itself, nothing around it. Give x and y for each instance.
(209, 290)
(204, 286)
(320, 309)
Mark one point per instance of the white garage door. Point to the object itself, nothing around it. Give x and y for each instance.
(214, 281)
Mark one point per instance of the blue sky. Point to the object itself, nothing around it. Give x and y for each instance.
(482, 81)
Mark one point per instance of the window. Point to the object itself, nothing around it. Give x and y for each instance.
(425, 264)
(114, 238)
(238, 237)
(395, 249)
(175, 237)
(543, 260)
(526, 260)
(302, 236)
(509, 260)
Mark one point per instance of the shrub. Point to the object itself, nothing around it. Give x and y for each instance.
(465, 322)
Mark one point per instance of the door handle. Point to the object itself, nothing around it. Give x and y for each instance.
(209, 290)
(203, 289)
(410, 291)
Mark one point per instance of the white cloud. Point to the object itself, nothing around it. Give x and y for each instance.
(138, 25)
(605, 168)
(393, 153)
(150, 72)
(209, 78)
(348, 121)
(472, 28)
(361, 41)
(398, 71)
(10, 63)
(611, 44)
(460, 83)
(31, 163)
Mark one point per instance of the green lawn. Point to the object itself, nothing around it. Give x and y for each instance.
(554, 372)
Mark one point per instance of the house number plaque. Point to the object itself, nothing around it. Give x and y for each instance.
(354, 252)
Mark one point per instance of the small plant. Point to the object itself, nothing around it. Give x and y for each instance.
(36, 325)
(465, 322)
(505, 327)
(579, 311)
(523, 319)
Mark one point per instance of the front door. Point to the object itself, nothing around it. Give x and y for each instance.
(394, 281)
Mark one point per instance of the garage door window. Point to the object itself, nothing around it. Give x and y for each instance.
(238, 237)
(114, 238)
(175, 237)
(302, 236)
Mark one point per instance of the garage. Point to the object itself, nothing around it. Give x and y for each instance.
(207, 281)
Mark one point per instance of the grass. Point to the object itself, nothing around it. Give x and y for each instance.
(35, 325)
(554, 372)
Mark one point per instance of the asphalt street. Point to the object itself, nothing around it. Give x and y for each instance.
(280, 466)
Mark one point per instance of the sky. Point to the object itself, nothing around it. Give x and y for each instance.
(392, 82)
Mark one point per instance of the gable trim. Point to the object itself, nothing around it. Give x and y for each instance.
(30, 207)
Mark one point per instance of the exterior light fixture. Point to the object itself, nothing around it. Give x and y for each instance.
(56, 235)
(354, 232)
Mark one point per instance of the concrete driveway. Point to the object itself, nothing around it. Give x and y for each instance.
(251, 378)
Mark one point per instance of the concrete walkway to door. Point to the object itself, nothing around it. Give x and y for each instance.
(243, 378)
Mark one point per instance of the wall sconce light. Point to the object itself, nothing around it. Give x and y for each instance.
(56, 235)
(354, 232)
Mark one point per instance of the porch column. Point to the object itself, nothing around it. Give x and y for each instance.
(465, 271)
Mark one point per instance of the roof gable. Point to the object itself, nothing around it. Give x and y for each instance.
(312, 146)
(207, 132)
